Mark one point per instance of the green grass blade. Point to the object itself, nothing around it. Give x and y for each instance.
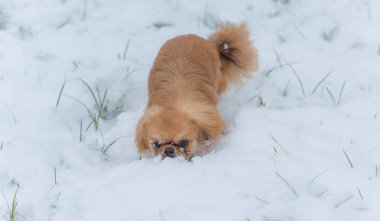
(126, 50)
(89, 125)
(316, 177)
(286, 182)
(348, 158)
(286, 90)
(278, 60)
(331, 95)
(112, 143)
(298, 79)
(14, 206)
(375, 168)
(80, 102)
(92, 93)
(102, 101)
(348, 198)
(99, 99)
(55, 176)
(60, 93)
(360, 193)
(81, 131)
(282, 148)
(341, 92)
(320, 82)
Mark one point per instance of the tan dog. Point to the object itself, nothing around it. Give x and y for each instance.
(187, 76)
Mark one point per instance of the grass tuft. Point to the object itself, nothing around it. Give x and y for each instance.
(341, 92)
(278, 60)
(124, 57)
(99, 103)
(298, 79)
(12, 215)
(12, 208)
(286, 90)
(282, 148)
(260, 101)
(331, 95)
(336, 101)
(269, 71)
(104, 149)
(320, 82)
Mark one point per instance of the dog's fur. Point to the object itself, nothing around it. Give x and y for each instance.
(187, 76)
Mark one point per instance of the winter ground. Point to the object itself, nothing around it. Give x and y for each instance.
(297, 149)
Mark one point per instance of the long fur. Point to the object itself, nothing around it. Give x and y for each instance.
(187, 76)
(237, 54)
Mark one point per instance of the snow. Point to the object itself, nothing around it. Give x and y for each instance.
(283, 158)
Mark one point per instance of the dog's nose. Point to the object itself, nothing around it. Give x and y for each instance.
(169, 152)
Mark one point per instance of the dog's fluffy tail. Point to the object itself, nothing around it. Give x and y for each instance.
(237, 54)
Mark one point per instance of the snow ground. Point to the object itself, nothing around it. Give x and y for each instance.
(283, 158)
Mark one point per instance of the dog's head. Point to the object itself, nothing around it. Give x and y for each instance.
(178, 131)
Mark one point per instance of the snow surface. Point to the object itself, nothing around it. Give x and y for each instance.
(283, 158)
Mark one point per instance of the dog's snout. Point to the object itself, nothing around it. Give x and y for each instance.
(169, 152)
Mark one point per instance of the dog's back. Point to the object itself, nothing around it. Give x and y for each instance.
(186, 67)
(191, 67)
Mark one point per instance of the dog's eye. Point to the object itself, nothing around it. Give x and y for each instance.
(183, 143)
(157, 144)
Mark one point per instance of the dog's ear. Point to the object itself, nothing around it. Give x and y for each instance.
(141, 135)
(141, 130)
(207, 120)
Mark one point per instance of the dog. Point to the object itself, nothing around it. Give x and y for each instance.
(188, 75)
